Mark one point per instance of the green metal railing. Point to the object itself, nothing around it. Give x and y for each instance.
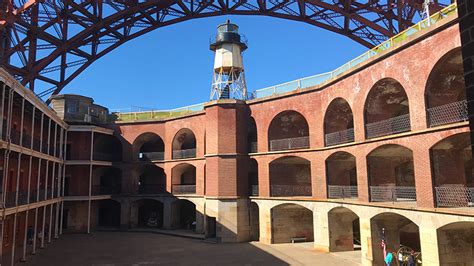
(155, 115)
(302, 83)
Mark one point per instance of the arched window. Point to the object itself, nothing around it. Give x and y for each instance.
(386, 109)
(288, 131)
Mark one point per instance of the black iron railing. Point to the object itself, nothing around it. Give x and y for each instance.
(289, 143)
(389, 126)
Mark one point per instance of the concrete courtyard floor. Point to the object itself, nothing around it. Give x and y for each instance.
(122, 248)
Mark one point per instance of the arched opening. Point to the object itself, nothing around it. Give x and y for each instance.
(254, 222)
(456, 244)
(185, 217)
(109, 213)
(341, 175)
(147, 213)
(152, 180)
(399, 234)
(391, 174)
(344, 230)
(386, 109)
(252, 135)
(107, 181)
(107, 148)
(291, 223)
(288, 131)
(290, 176)
(183, 178)
(253, 177)
(452, 170)
(149, 147)
(184, 144)
(338, 123)
(446, 91)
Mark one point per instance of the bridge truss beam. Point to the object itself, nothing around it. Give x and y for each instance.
(53, 41)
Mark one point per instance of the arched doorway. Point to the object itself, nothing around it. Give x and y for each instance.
(288, 130)
(391, 174)
(109, 213)
(147, 213)
(386, 109)
(254, 221)
(185, 217)
(184, 144)
(341, 175)
(446, 91)
(396, 231)
(291, 223)
(456, 243)
(183, 178)
(338, 123)
(452, 166)
(290, 176)
(344, 230)
(149, 147)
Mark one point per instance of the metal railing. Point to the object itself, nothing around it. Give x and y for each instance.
(183, 189)
(392, 193)
(253, 147)
(342, 192)
(183, 154)
(389, 126)
(454, 196)
(448, 113)
(105, 190)
(130, 116)
(289, 144)
(320, 79)
(290, 190)
(339, 137)
(253, 190)
(152, 189)
(151, 156)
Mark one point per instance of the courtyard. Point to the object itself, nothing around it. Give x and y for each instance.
(123, 248)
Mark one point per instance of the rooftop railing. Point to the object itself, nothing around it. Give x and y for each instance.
(454, 196)
(339, 137)
(129, 116)
(307, 82)
(389, 126)
(448, 113)
(392, 193)
(342, 192)
(289, 144)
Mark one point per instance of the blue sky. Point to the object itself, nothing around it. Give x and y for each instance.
(172, 66)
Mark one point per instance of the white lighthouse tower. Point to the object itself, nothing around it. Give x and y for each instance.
(228, 81)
